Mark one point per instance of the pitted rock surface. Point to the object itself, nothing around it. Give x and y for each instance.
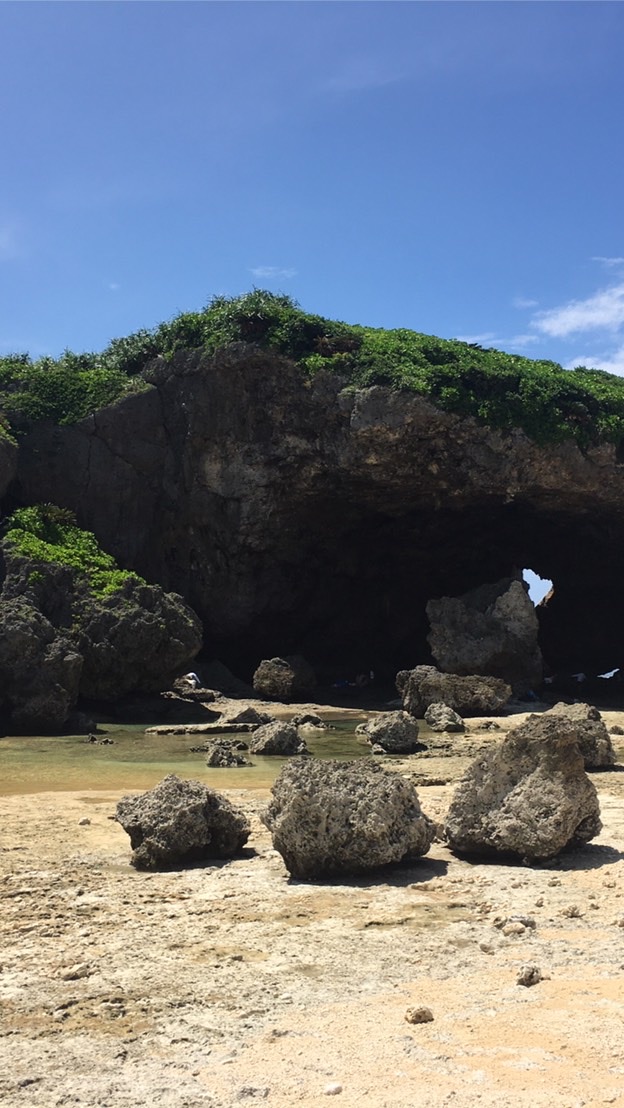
(278, 737)
(329, 817)
(394, 732)
(468, 696)
(591, 733)
(528, 795)
(180, 822)
(442, 718)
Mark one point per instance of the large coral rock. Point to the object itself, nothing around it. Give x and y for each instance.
(278, 737)
(491, 630)
(527, 796)
(329, 817)
(39, 669)
(289, 678)
(179, 822)
(591, 733)
(442, 718)
(394, 732)
(468, 696)
(60, 639)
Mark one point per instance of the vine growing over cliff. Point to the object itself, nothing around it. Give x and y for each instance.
(549, 403)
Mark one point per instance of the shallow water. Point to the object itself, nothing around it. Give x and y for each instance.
(56, 763)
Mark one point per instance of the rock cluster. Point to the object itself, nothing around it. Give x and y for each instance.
(527, 796)
(179, 822)
(468, 695)
(60, 640)
(329, 817)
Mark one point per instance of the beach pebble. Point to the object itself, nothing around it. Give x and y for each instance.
(84, 822)
(571, 911)
(419, 1015)
(529, 975)
(74, 973)
(333, 1089)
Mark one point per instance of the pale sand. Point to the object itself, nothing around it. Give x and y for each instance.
(232, 984)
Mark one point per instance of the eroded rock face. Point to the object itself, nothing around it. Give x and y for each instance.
(527, 796)
(291, 519)
(279, 738)
(591, 733)
(59, 641)
(180, 822)
(290, 678)
(491, 630)
(223, 755)
(328, 818)
(468, 696)
(394, 732)
(39, 669)
(442, 718)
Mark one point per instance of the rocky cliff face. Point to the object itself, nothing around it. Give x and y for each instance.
(297, 516)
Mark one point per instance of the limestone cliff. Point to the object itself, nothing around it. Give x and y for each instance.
(297, 515)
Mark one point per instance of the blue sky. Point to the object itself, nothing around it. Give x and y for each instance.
(456, 168)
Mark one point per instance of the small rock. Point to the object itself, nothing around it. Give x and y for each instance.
(539, 903)
(529, 975)
(571, 911)
(74, 973)
(260, 1092)
(616, 729)
(84, 822)
(333, 1089)
(419, 1015)
(513, 928)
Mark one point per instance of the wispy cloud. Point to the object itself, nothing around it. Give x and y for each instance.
(524, 302)
(113, 286)
(611, 363)
(360, 74)
(604, 311)
(609, 263)
(273, 271)
(486, 337)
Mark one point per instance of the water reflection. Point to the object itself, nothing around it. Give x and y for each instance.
(30, 764)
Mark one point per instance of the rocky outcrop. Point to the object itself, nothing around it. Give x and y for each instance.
(290, 678)
(328, 818)
(279, 738)
(8, 461)
(442, 718)
(591, 733)
(60, 640)
(468, 696)
(491, 630)
(527, 796)
(394, 732)
(181, 822)
(286, 510)
(40, 669)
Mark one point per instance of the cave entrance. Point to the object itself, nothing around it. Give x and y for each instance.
(539, 587)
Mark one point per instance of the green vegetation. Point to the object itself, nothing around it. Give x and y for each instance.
(46, 533)
(502, 390)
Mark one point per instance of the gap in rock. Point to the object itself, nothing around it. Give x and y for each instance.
(539, 587)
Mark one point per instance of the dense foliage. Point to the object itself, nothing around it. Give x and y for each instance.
(503, 390)
(46, 533)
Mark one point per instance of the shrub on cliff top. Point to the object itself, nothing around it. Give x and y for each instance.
(47, 533)
(549, 403)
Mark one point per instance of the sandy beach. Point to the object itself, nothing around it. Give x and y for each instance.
(232, 983)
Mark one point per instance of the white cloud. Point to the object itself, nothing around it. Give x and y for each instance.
(485, 337)
(611, 363)
(524, 302)
(113, 286)
(272, 271)
(602, 311)
(609, 263)
(521, 340)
